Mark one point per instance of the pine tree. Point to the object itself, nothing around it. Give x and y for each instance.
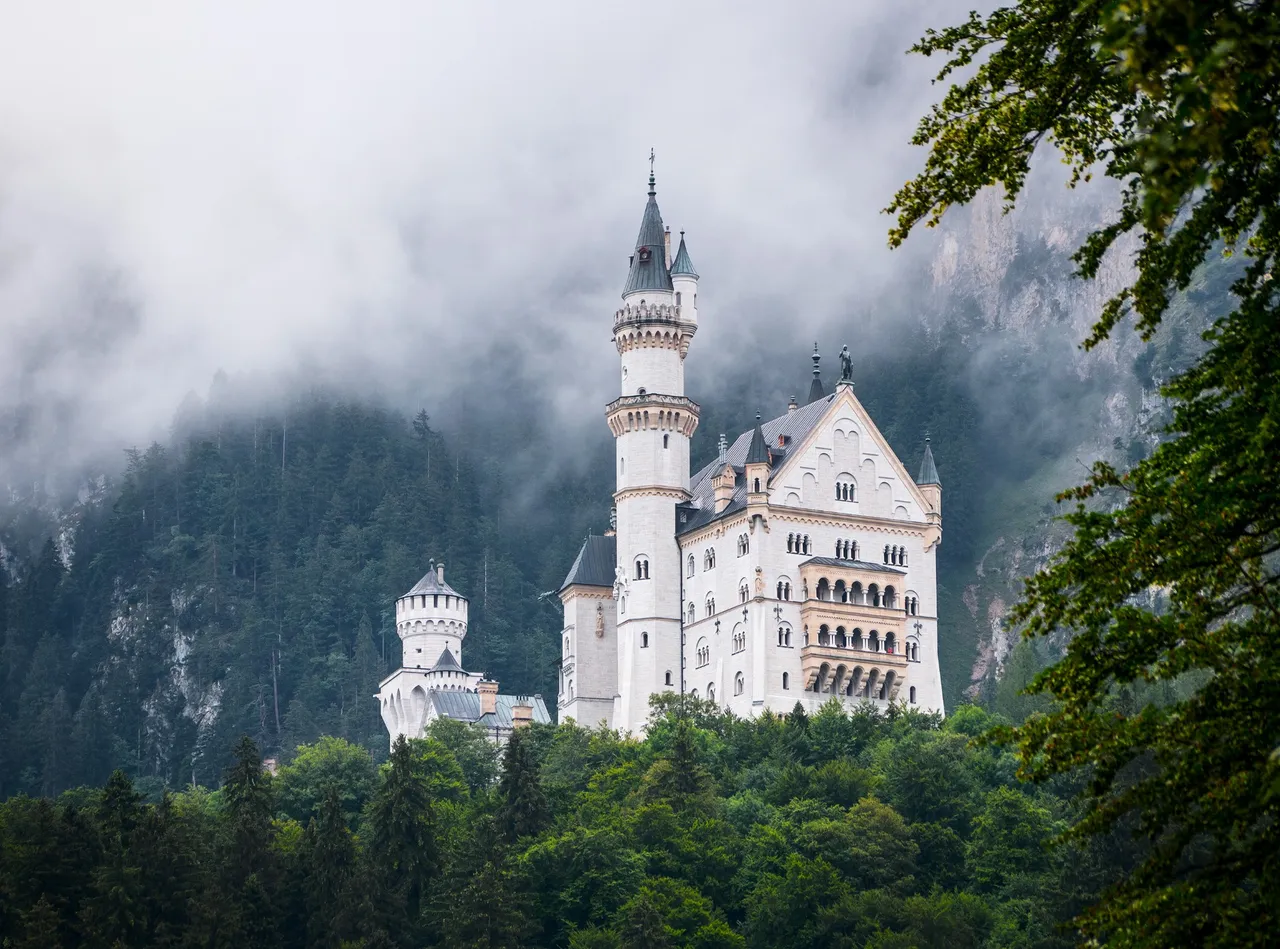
(249, 801)
(402, 818)
(41, 927)
(523, 810)
(331, 862)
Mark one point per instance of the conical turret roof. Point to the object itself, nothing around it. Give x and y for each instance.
(682, 266)
(928, 470)
(758, 452)
(648, 264)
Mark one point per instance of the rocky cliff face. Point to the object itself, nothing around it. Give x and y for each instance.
(1005, 284)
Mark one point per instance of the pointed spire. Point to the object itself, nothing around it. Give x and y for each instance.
(815, 387)
(648, 264)
(928, 470)
(758, 453)
(682, 265)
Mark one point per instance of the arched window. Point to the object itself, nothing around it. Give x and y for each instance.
(744, 592)
(644, 640)
(756, 486)
(855, 639)
(711, 604)
(711, 691)
(807, 547)
(739, 684)
(570, 688)
(744, 545)
(691, 613)
(786, 681)
(667, 678)
(824, 589)
(703, 652)
(642, 568)
(566, 644)
(890, 598)
(664, 440)
(845, 488)
(886, 553)
(739, 640)
(912, 693)
(688, 569)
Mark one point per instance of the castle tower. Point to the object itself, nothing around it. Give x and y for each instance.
(431, 618)
(652, 423)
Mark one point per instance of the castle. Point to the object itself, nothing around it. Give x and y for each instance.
(431, 621)
(798, 566)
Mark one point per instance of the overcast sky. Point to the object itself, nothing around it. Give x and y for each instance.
(379, 192)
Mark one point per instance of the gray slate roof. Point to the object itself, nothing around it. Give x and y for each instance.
(447, 663)
(431, 584)
(649, 265)
(596, 563)
(465, 707)
(682, 264)
(859, 564)
(701, 509)
(928, 470)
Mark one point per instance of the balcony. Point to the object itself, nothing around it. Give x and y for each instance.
(851, 671)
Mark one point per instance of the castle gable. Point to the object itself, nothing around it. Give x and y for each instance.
(843, 464)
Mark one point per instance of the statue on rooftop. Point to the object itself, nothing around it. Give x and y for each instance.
(846, 365)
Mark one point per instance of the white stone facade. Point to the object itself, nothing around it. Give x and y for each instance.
(431, 621)
(799, 566)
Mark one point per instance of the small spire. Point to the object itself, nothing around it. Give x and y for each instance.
(653, 189)
(758, 453)
(681, 264)
(928, 470)
(815, 387)
(724, 449)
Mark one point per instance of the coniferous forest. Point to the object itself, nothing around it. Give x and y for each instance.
(867, 830)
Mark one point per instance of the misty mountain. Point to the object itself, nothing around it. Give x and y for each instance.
(239, 578)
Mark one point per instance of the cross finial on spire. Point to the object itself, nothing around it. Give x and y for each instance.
(724, 448)
(652, 185)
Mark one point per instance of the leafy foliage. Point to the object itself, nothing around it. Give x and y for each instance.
(712, 833)
(1168, 693)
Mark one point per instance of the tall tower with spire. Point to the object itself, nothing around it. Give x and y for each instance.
(652, 422)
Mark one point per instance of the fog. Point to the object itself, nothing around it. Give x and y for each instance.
(384, 196)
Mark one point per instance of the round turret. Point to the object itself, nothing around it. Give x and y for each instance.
(430, 618)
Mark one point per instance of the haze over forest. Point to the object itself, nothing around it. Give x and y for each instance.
(212, 220)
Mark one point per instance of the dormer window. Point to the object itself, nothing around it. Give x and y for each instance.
(644, 254)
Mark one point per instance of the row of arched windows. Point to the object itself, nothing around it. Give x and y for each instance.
(703, 653)
(711, 604)
(846, 491)
(854, 593)
(912, 604)
(744, 545)
(784, 635)
(784, 589)
(744, 593)
(895, 555)
(846, 550)
(854, 639)
(798, 544)
(739, 641)
(709, 558)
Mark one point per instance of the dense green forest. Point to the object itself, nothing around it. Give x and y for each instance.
(836, 830)
(240, 578)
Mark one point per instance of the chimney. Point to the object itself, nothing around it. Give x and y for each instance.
(521, 714)
(792, 405)
(666, 244)
(440, 571)
(488, 690)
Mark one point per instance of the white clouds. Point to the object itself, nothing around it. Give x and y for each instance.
(376, 189)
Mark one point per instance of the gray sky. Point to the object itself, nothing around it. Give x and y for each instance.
(375, 193)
